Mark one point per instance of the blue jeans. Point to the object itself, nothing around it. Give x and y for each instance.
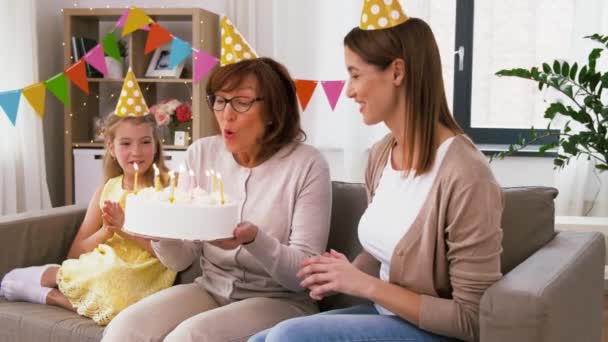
(357, 323)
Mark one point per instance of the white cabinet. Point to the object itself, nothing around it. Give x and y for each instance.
(88, 170)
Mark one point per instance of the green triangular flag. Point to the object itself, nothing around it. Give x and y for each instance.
(58, 85)
(110, 46)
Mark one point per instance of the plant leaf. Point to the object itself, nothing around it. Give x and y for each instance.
(582, 76)
(566, 69)
(553, 109)
(573, 71)
(557, 67)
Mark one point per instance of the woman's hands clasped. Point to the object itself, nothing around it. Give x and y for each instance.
(330, 273)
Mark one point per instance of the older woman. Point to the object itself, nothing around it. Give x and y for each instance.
(285, 190)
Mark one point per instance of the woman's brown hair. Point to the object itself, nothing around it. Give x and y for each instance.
(426, 103)
(278, 93)
(112, 169)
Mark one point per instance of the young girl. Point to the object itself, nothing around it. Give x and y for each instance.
(107, 270)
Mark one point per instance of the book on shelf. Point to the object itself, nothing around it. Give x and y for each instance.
(80, 46)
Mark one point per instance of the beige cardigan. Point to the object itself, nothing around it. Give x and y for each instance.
(451, 253)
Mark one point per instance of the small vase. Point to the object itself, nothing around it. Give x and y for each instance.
(115, 68)
(166, 134)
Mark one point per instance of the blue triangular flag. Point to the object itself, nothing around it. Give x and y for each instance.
(179, 51)
(9, 101)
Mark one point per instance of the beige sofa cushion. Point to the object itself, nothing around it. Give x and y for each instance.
(20, 321)
(527, 223)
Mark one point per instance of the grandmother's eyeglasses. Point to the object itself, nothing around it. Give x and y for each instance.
(240, 104)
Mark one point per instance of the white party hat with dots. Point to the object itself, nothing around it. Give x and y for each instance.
(381, 14)
(131, 101)
(234, 47)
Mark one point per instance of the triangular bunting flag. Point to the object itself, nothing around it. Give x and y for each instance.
(9, 101)
(135, 20)
(158, 36)
(95, 58)
(58, 85)
(110, 46)
(305, 88)
(35, 95)
(179, 51)
(77, 73)
(333, 89)
(123, 18)
(203, 62)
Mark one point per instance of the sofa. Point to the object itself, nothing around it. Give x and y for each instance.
(552, 289)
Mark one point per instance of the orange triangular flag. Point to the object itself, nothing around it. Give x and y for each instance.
(77, 73)
(35, 95)
(158, 36)
(136, 20)
(305, 88)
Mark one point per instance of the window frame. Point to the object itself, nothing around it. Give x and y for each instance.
(490, 140)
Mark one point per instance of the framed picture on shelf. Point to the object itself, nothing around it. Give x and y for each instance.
(159, 64)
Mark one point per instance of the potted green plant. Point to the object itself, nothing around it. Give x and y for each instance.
(582, 86)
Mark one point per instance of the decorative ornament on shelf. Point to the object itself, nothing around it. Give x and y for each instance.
(172, 116)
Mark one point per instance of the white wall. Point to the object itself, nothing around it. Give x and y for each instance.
(265, 24)
(512, 171)
(49, 22)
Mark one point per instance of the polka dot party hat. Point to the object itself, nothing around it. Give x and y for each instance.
(131, 101)
(234, 47)
(381, 14)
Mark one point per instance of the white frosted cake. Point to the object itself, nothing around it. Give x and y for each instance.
(193, 215)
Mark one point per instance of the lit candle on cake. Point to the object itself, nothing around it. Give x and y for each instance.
(172, 181)
(212, 180)
(192, 180)
(221, 187)
(136, 167)
(181, 178)
(157, 186)
(208, 175)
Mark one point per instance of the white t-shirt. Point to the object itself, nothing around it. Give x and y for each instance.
(394, 208)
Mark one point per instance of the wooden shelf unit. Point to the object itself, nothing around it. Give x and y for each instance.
(204, 34)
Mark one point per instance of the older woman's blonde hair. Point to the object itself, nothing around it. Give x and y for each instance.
(112, 169)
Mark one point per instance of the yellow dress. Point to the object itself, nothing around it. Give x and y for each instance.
(114, 275)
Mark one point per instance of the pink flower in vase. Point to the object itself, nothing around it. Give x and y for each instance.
(162, 119)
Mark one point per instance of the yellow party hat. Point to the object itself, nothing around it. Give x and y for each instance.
(234, 47)
(131, 101)
(381, 14)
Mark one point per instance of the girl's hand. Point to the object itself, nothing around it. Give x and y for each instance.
(113, 217)
(244, 233)
(330, 273)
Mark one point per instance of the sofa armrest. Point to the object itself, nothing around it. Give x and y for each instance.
(554, 295)
(38, 238)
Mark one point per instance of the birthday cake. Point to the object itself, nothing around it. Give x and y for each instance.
(193, 215)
